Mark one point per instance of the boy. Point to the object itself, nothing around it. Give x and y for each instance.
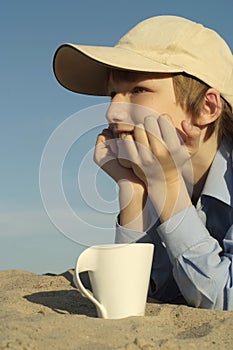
(170, 130)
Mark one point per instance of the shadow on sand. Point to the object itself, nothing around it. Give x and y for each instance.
(65, 301)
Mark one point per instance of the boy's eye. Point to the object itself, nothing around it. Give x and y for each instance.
(139, 90)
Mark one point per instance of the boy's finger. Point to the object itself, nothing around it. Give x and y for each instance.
(153, 134)
(193, 134)
(106, 138)
(140, 135)
(142, 142)
(169, 133)
(152, 127)
(105, 135)
(127, 149)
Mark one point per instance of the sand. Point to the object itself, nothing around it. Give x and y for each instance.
(43, 312)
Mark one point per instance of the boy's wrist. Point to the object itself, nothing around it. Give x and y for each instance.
(130, 192)
(170, 197)
(134, 213)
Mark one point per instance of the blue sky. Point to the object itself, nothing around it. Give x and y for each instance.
(33, 106)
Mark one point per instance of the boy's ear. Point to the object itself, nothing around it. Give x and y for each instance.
(211, 109)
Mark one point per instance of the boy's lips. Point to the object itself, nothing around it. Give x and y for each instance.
(120, 132)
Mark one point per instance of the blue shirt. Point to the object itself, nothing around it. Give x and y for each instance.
(193, 253)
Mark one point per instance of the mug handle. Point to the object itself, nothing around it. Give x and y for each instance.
(86, 262)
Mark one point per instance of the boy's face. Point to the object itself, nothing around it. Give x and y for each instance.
(138, 95)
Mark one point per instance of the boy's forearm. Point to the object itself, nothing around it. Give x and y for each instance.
(167, 199)
(170, 199)
(134, 211)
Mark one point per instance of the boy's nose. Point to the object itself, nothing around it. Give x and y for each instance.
(118, 111)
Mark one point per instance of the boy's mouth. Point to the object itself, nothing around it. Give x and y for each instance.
(121, 131)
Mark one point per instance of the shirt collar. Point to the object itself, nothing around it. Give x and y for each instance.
(219, 183)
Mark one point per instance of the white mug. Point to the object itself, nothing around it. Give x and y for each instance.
(119, 276)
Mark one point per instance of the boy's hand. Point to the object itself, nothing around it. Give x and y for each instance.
(158, 155)
(106, 157)
(157, 152)
(132, 193)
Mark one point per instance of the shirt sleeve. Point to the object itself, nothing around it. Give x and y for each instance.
(125, 235)
(201, 269)
(163, 286)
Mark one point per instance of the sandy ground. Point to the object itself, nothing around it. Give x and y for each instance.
(47, 312)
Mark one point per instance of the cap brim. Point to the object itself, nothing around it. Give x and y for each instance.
(85, 69)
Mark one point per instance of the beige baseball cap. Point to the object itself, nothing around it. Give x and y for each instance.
(163, 44)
